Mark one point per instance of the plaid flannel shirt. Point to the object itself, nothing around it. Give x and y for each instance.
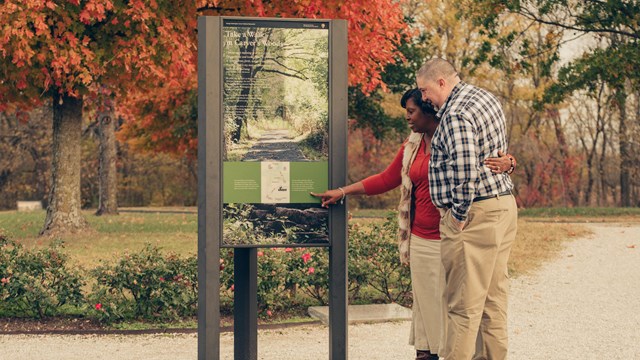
(472, 129)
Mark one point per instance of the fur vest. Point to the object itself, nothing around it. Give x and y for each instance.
(411, 147)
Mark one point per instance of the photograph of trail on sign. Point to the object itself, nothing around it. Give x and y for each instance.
(276, 131)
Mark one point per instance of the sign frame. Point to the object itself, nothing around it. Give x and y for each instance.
(210, 201)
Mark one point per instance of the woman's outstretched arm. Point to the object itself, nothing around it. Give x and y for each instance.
(333, 196)
(379, 183)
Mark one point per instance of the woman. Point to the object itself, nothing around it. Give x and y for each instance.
(418, 219)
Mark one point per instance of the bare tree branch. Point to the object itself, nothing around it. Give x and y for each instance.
(530, 15)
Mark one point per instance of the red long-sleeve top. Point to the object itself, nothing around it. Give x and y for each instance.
(425, 219)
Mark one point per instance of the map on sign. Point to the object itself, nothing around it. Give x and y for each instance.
(275, 182)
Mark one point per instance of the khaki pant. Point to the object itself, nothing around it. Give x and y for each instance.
(476, 279)
(427, 281)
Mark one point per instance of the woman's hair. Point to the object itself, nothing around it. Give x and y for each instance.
(416, 96)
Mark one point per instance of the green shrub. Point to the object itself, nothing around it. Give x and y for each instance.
(374, 265)
(287, 275)
(151, 286)
(374, 261)
(146, 285)
(311, 271)
(284, 274)
(36, 283)
(227, 286)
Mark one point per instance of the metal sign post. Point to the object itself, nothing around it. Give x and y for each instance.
(233, 67)
(245, 309)
(209, 191)
(338, 252)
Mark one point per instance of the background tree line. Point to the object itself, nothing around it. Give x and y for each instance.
(144, 179)
(573, 115)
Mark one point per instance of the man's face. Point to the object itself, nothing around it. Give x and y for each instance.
(432, 91)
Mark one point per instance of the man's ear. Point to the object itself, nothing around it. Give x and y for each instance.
(441, 82)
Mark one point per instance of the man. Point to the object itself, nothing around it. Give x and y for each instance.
(478, 213)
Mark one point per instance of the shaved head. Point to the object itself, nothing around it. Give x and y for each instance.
(436, 79)
(435, 69)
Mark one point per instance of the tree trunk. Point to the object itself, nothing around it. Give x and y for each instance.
(107, 173)
(63, 210)
(602, 199)
(591, 159)
(625, 156)
(247, 55)
(566, 173)
(590, 181)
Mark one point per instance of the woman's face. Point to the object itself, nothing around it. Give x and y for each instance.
(418, 121)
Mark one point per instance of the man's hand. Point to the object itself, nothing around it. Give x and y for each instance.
(500, 164)
(457, 223)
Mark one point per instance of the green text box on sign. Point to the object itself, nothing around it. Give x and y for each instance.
(241, 182)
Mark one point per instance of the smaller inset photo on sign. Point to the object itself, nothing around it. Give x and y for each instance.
(269, 203)
(274, 224)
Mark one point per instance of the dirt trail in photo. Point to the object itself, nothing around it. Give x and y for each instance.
(275, 145)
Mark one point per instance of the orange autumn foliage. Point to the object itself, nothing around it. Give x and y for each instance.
(143, 53)
(90, 47)
(159, 120)
(375, 28)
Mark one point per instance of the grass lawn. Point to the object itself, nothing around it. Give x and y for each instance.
(538, 238)
(541, 231)
(581, 214)
(110, 235)
(540, 234)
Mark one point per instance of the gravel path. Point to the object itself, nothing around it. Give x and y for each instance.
(585, 304)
